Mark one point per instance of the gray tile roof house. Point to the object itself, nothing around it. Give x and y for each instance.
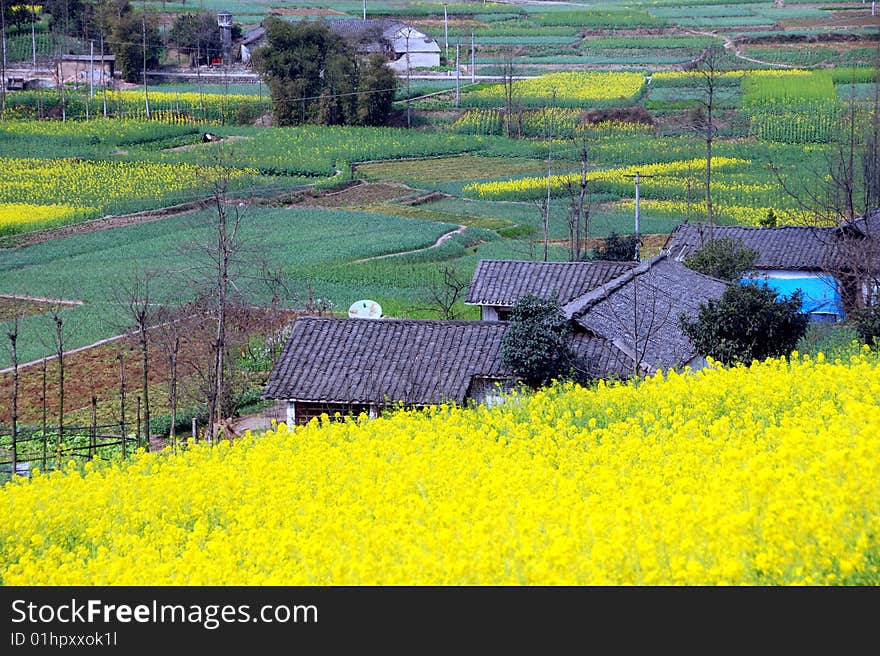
(834, 267)
(638, 312)
(600, 297)
(332, 364)
(498, 284)
(786, 247)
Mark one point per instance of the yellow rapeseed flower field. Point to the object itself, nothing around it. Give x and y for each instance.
(727, 476)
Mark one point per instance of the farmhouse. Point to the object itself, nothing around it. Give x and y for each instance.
(834, 267)
(403, 45)
(498, 284)
(78, 68)
(638, 312)
(352, 366)
(631, 308)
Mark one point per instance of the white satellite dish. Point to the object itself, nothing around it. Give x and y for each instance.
(365, 309)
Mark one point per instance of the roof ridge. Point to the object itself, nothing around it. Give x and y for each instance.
(445, 322)
(581, 303)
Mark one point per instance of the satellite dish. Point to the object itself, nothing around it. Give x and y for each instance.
(365, 309)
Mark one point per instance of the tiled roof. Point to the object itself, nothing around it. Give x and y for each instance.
(385, 360)
(503, 282)
(638, 312)
(788, 247)
(417, 362)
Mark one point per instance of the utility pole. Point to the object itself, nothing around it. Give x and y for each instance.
(473, 70)
(3, 69)
(146, 95)
(33, 35)
(457, 76)
(103, 69)
(91, 69)
(638, 215)
(446, 29)
(408, 112)
(638, 255)
(549, 172)
(365, 9)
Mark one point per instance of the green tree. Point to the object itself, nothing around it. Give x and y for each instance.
(749, 322)
(198, 36)
(866, 321)
(723, 258)
(535, 346)
(316, 76)
(127, 44)
(378, 84)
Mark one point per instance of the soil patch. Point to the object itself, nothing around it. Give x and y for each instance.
(18, 306)
(96, 371)
(365, 193)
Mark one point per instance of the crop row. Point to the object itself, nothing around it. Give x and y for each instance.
(569, 89)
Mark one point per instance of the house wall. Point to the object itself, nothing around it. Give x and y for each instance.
(494, 313)
(79, 70)
(416, 60)
(820, 291)
(302, 412)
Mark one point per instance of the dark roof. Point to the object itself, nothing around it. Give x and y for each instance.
(503, 282)
(638, 312)
(596, 357)
(788, 247)
(414, 361)
(358, 28)
(338, 360)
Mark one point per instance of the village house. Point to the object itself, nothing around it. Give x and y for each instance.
(77, 68)
(833, 267)
(633, 307)
(497, 285)
(624, 318)
(403, 45)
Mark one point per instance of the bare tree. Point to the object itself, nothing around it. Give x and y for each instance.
(170, 331)
(135, 298)
(221, 260)
(512, 106)
(838, 196)
(706, 73)
(579, 207)
(444, 293)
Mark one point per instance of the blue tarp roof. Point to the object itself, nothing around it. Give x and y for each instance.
(820, 294)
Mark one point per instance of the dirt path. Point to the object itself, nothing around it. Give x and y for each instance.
(729, 45)
(440, 240)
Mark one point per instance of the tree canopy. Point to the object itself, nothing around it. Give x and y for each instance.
(724, 258)
(316, 76)
(749, 322)
(535, 346)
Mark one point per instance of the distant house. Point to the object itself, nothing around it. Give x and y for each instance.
(631, 309)
(818, 261)
(497, 285)
(403, 45)
(79, 67)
